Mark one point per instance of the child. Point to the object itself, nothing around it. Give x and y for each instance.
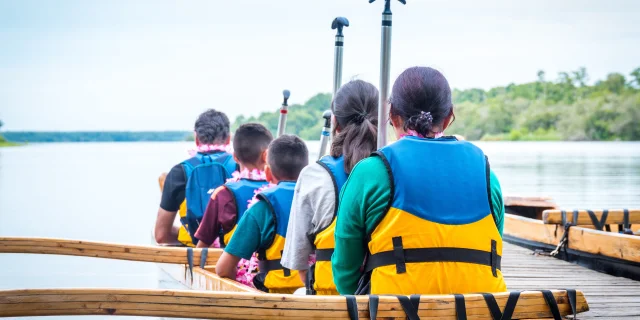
(229, 202)
(264, 225)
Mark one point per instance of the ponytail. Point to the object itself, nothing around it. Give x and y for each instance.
(355, 142)
(355, 107)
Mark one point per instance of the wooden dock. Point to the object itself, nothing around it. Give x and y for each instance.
(609, 297)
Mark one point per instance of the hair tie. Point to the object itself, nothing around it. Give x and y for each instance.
(359, 118)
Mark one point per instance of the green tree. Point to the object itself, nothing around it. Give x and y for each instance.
(635, 74)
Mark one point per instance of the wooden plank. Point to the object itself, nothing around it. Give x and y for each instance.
(614, 216)
(227, 305)
(104, 250)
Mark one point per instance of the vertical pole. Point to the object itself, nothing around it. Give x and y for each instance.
(326, 132)
(337, 64)
(282, 122)
(385, 66)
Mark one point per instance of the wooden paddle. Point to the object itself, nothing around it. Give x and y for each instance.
(106, 250)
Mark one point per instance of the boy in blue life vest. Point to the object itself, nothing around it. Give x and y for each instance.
(186, 187)
(230, 201)
(264, 225)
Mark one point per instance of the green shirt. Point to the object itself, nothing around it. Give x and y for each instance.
(363, 201)
(256, 230)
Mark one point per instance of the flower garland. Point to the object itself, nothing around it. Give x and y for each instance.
(247, 269)
(414, 133)
(205, 148)
(254, 174)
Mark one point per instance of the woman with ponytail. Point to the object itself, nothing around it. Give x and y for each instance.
(315, 202)
(425, 213)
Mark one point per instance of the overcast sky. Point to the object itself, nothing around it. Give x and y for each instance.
(155, 65)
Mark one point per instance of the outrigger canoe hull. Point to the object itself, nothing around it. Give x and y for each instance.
(609, 252)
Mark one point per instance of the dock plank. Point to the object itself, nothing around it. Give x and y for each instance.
(609, 297)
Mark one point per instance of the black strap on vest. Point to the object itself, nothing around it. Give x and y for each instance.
(190, 261)
(551, 302)
(415, 300)
(203, 257)
(323, 254)
(496, 313)
(461, 309)
(352, 307)
(400, 256)
(271, 265)
(373, 307)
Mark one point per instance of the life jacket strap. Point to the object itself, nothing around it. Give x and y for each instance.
(324, 254)
(265, 266)
(400, 256)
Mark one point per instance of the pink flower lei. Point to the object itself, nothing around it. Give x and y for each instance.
(254, 174)
(413, 133)
(247, 269)
(204, 148)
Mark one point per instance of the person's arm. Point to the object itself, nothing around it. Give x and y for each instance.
(497, 202)
(312, 209)
(227, 265)
(209, 228)
(255, 228)
(173, 194)
(363, 201)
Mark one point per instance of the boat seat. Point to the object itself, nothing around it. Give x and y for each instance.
(597, 218)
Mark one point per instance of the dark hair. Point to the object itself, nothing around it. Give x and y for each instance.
(355, 107)
(249, 141)
(421, 96)
(212, 127)
(287, 156)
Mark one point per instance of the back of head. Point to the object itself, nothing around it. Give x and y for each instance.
(250, 141)
(421, 96)
(355, 107)
(212, 127)
(287, 156)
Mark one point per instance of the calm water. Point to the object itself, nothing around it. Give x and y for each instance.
(109, 192)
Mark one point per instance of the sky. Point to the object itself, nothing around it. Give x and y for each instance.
(155, 65)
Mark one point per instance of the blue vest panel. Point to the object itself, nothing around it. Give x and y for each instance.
(243, 192)
(335, 167)
(279, 199)
(441, 180)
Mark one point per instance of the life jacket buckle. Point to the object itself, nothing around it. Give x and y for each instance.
(494, 258)
(398, 253)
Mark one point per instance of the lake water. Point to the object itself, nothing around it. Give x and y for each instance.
(109, 192)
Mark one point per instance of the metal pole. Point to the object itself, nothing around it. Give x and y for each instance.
(326, 132)
(338, 23)
(282, 122)
(385, 67)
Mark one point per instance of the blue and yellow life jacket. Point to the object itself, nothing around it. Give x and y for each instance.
(439, 234)
(204, 172)
(320, 276)
(273, 276)
(243, 191)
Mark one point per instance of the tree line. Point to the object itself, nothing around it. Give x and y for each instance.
(567, 108)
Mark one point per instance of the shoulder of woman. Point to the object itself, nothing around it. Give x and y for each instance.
(370, 165)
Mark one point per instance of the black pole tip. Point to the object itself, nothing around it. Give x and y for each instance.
(327, 118)
(339, 23)
(387, 6)
(286, 94)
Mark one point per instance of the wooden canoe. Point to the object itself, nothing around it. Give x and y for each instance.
(538, 225)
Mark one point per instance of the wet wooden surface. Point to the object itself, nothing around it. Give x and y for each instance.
(608, 297)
